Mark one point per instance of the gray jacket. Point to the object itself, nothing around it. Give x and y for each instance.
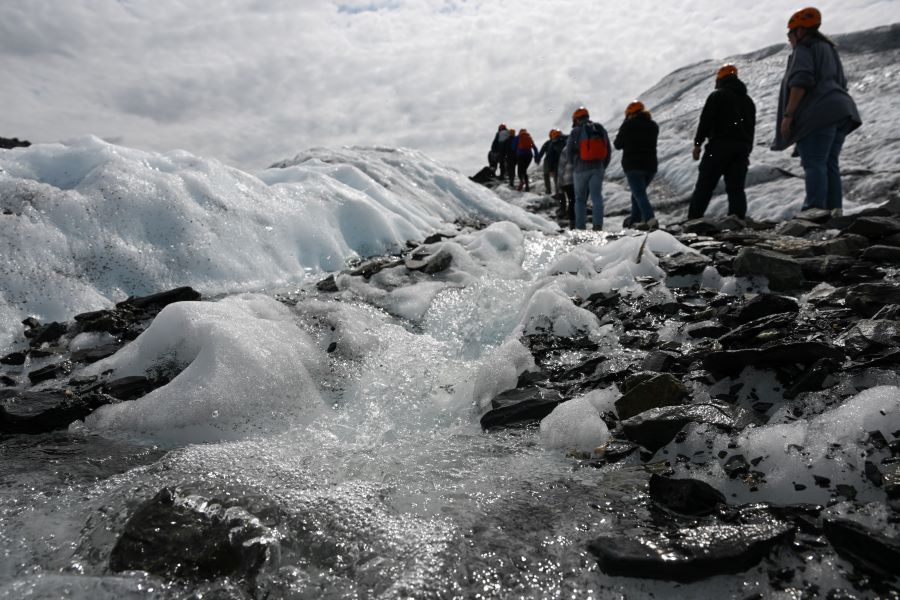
(565, 170)
(815, 66)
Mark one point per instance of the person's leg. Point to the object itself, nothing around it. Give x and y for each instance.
(707, 178)
(581, 193)
(814, 150)
(595, 184)
(834, 199)
(492, 163)
(547, 189)
(569, 191)
(637, 181)
(735, 182)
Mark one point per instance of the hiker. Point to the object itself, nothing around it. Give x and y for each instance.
(728, 122)
(637, 140)
(815, 111)
(525, 150)
(588, 147)
(495, 155)
(509, 153)
(565, 181)
(555, 146)
(541, 155)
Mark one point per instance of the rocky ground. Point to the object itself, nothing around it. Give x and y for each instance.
(830, 315)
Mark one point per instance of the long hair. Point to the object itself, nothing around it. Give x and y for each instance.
(815, 33)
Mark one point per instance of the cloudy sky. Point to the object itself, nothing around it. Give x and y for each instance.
(253, 81)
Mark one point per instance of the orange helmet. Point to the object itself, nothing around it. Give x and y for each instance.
(809, 17)
(555, 133)
(635, 107)
(580, 113)
(725, 71)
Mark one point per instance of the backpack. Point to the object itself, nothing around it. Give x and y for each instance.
(595, 144)
(525, 141)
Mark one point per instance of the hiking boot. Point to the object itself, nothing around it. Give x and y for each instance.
(837, 212)
(640, 226)
(653, 224)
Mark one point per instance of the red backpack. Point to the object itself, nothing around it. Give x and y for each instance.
(595, 144)
(525, 141)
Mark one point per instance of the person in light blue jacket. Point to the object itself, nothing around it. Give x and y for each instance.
(815, 111)
(589, 150)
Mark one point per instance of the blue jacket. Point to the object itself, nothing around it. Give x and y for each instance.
(573, 146)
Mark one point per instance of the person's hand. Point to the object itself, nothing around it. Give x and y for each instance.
(786, 123)
(696, 152)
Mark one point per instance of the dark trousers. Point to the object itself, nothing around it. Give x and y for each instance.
(523, 161)
(569, 203)
(728, 159)
(511, 168)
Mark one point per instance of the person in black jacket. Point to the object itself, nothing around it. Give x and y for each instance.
(728, 121)
(496, 156)
(637, 140)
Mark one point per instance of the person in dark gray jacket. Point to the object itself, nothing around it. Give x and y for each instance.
(815, 111)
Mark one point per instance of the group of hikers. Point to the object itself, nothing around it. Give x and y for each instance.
(815, 113)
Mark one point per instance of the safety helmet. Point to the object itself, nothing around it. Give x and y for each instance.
(555, 133)
(580, 113)
(809, 17)
(512, 132)
(726, 70)
(635, 107)
(501, 127)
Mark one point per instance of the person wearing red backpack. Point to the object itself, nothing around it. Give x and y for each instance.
(525, 150)
(589, 149)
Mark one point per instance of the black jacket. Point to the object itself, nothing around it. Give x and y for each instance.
(728, 115)
(637, 141)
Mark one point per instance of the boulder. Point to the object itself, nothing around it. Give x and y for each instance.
(776, 355)
(656, 427)
(782, 272)
(763, 305)
(684, 263)
(688, 554)
(655, 391)
(867, 549)
(182, 535)
(520, 407)
(882, 254)
(846, 244)
(826, 267)
(874, 228)
(156, 302)
(797, 227)
(866, 299)
(751, 332)
(429, 261)
(30, 412)
(685, 496)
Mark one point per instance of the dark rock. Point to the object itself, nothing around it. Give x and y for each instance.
(874, 228)
(685, 496)
(826, 267)
(846, 244)
(882, 254)
(777, 355)
(616, 450)
(688, 554)
(817, 377)
(656, 427)
(584, 369)
(701, 227)
(520, 407)
(655, 391)
(705, 329)
(50, 372)
(7, 381)
(891, 240)
(751, 332)
(763, 305)
(736, 466)
(90, 355)
(660, 361)
(101, 320)
(30, 412)
(874, 474)
(156, 302)
(9, 143)
(797, 227)
(131, 387)
(327, 285)
(867, 549)
(869, 335)
(437, 237)
(602, 299)
(866, 299)
(14, 358)
(782, 272)
(375, 266)
(429, 261)
(45, 333)
(178, 535)
(684, 263)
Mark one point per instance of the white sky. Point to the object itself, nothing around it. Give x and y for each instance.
(253, 81)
